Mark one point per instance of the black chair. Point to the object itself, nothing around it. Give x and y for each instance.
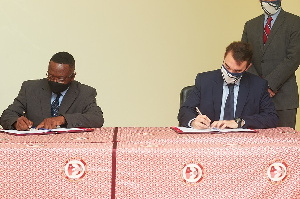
(185, 92)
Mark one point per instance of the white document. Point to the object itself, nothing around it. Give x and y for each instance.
(29, 132)
(34, 131)
(211, 130)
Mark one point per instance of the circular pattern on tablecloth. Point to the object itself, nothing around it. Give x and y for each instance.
(192, 173)
(75, 169)
(277, 171)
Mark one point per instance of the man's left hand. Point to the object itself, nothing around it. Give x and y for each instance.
(52, 122)
(222, 124)
(272, 94)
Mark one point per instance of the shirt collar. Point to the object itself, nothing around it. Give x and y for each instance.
(62, 93)
(274, 16)
(236, 84)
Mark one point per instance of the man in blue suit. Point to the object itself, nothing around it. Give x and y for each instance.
(230, 97)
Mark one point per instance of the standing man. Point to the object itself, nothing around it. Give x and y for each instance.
(229, 97)
(57, 100)
(275, 37)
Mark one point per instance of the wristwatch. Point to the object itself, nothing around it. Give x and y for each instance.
(238, 121)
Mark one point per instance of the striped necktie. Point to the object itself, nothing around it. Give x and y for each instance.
(229, 105)
(55, 106)
(267, 29)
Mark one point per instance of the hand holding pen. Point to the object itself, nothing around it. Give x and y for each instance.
(22, 123)
(201, 121)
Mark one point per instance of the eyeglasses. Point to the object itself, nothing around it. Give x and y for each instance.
(57, 79)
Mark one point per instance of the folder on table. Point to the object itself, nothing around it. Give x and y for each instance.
(185, 130)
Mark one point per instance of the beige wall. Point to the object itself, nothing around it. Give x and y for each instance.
(138, 54)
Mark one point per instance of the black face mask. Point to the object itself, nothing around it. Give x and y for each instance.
(58, 87)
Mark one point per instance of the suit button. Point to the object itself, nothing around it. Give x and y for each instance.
(262, 61)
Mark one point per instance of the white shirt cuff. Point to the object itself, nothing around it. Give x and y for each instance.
(190, 122)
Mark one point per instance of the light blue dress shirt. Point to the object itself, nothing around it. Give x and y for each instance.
(60, 98)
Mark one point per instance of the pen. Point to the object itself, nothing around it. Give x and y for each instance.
(198, 111)
(28, 125)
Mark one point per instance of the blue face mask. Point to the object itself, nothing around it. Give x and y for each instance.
(234, 74)
(271, 7)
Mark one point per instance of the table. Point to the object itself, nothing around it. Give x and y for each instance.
(148, 162)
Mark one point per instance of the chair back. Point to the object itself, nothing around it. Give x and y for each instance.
(184, 94)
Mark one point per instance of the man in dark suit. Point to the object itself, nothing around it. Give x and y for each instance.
(275, 37)
(230, 97)
(57, 100)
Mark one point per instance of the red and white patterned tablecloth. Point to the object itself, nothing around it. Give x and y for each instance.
(60, 166)
(148, 162)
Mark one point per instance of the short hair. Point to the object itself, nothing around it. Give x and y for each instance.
(241, 51)
(64, 58)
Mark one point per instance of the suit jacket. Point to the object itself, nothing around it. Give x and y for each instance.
(78, 105)
(279, 58)
(254, 104)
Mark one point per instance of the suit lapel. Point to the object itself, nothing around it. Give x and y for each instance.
(217, 95)
(242, 95)
(260, 32)
(278, 23)
(45, 99)
(69, 98)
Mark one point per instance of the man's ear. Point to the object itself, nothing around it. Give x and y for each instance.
(73, 76)
(248, 66)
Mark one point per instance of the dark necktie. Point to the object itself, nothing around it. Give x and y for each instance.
(229, 105)
(267, 29)
(55, 106)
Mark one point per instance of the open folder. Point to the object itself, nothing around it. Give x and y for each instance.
(184, 130)
(33, 131)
